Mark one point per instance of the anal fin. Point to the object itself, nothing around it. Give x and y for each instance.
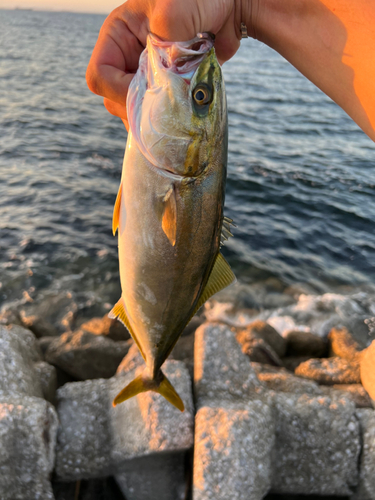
(220, 277)
(118, 312)
(116, 211)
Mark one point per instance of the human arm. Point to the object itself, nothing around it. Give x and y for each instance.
(331, 42)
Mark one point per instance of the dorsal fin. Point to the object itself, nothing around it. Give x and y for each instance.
(118, 312)
(116, 211)
(220, 277)
(169, 219)
(225, 230)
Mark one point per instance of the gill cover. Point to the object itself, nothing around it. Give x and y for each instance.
(162, 106)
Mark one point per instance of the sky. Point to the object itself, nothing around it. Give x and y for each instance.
(98, 6)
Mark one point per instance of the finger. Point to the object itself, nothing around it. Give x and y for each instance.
(114, 61)
(115, 108)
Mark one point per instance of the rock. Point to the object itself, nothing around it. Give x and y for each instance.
(277, 300)
(97, 440)
(356, 393)
(232, 452)
(110, 328)
(285, 324)
(92, 489)
(221, 371)
(291, 362)
(265, 368)
(164, 473)
(44, 343)
(286, 382)
(48, 380)
(305, 344)
(18, 352)
(131, 361)
(184, 351)
(366, 487)
(367, 367)
(342, 344)
(330, 371)
(39, 326)
(261, 329)
(10, 317)
(317, 445)
(194, 323)
(87, 356)
(260, 352)
(28, 429)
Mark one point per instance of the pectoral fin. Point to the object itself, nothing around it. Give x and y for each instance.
(220, 277)
(169, 219)
(118, 312)
(116, 211)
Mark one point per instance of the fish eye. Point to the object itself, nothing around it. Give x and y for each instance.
(202, 95)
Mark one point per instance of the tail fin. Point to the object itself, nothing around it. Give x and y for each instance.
(143, 383)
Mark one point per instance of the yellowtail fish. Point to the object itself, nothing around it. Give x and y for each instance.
(169, 207)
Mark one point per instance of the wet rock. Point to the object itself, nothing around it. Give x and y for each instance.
(305, 344)
(317, 445)
(110, 328)
(28, 429)
(131, 361)
(221, 371)
(356, 393)
(232, 452)
(48, 380)
(96, 440)
(286, 382)
(367, 364)
(260, 352)
(10, 317)
(330, 371)
(261, 329)
(342, 344)
(164, 473)
(292, 362)
(18, 353)
(285, 324)
(366, 487)
(276, 300)
(39, 326)
(86, 356)
(93, 489)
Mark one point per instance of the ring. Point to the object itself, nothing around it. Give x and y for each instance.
(244, 31)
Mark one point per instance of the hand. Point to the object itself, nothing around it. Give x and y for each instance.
(123, 35)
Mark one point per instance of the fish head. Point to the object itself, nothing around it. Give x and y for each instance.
(176, 105)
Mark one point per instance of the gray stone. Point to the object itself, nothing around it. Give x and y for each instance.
(356, 393)
(28, 429)
(44, 343)
(317, 445)
(330, 371)
(366, 487)
(286, 382)
(305, 344)
(162, 475)
(261, 329)
(184, 351)
(342, 344)
(38, 325)
(232, 452)
(257, 350)
(221, 370)
(18, 352)
(95, 439)
(87, 356)
(367, 368)
(107, 327)
(131, 361)
(48, 380)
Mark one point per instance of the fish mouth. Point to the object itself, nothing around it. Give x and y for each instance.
(182, 58)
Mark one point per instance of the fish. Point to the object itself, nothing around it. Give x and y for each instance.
(169, 207)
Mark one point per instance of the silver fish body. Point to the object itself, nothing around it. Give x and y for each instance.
(169, 210)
